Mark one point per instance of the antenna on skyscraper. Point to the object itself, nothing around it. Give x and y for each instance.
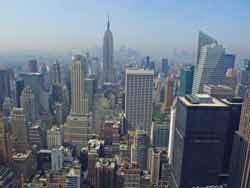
(108, 24)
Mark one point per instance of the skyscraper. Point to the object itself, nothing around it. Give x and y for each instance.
(19, 130)
(159, 134)
(5, 145)
(138, 98)
(210, 69)
(77, 87)
(200, 143)
(28, 104)
(140, 149)
(229, 60)
(32, 66)
(35, 82)
(203, 40)
(108, 53)
(164, 66)
(54, 137)
(19, 90)
(57, 158)
(169, 93)
(186, 80)
(5, 84)
(77, 124)
(105, 173)
(155, 167)
(56, 73)
(240, 164)
(244, 79)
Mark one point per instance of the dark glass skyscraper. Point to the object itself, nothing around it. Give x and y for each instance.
(200, 141)
(164, 66)
(229, 60)
(186, 80)
(19, 89)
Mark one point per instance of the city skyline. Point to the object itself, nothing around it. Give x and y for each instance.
(175, 25)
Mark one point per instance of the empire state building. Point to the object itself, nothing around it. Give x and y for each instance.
(108, 53)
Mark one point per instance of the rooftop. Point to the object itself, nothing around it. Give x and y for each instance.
(21, 156)
(201, 100)
(139, 71)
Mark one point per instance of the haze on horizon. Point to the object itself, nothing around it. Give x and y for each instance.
(152, 27)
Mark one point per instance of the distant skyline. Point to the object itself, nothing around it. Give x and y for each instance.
(155, 27)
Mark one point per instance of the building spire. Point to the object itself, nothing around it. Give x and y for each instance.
(108, 24)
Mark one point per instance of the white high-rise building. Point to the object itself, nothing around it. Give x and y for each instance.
(139, 98)
(28, 104)
(210, 69)
(54, 137)
(108, 53)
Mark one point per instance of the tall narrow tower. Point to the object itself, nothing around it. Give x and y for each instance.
(77, 86)
(108, 53)
(77, 125)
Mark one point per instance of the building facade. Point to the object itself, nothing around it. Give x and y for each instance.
(139, 98)
(108, 55)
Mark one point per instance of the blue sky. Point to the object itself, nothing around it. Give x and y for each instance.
(154, 27)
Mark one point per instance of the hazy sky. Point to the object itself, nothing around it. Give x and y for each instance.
(151, 26)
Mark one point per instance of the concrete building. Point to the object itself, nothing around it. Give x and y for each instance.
(5, 144)
(73, 177)
(24, 164)
(36, 136)
(155, 168)
(244, 79)
(140, 149)
(159, 134)
(7, 107)
(27, 101)
(35, 82)
(56, 76)
(54, 137)
(139, 98)
(105, 173)
(76, 130)
(19, 128)
(169, 94)
(131, 176)
(218, 91)
(6, 77)
(57, 158)
(231, 79)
